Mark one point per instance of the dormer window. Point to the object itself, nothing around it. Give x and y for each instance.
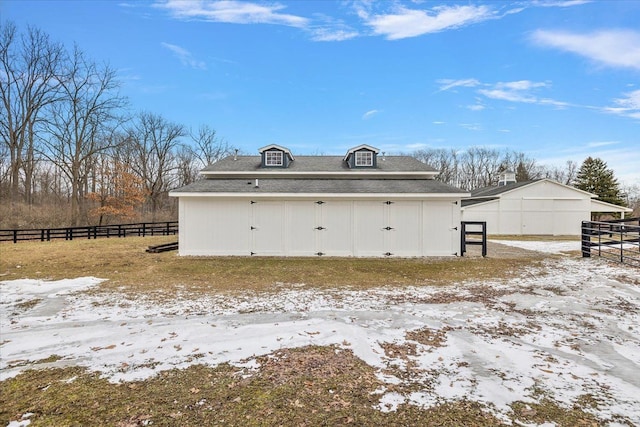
(364, 158)
(273, 158)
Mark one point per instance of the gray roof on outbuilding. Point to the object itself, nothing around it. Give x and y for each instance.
(319, 164)
(329, 186)
(495, 190)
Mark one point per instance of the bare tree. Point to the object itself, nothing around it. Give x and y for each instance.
(444, 160)
(207, 147)
(563, 174)
(153, 142)
(28, 84)
(82, 122)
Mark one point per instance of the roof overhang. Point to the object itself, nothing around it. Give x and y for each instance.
(600, 206)
(351, 173)
(396, 196)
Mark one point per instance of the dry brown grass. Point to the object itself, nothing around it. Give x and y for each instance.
(308, 386)
(130, 269)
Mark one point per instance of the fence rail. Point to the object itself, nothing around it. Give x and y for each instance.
(465, 232)
(617, 240)
(91, 232)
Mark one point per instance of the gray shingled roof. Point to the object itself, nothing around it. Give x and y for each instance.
(319, 164)
(329, 186)
(494, 190)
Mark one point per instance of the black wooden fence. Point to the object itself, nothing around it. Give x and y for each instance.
(91, 232)
(617, 240)
(473, 228)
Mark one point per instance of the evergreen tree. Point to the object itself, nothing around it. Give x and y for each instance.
(595, 178)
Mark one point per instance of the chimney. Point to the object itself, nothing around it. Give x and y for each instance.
(235, 156)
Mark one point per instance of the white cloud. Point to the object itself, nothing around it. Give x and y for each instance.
(370, 114)
(629, 106)
(476, 107)
(185, 56)
(616, 48)
(412, 23)
(232, 11)
(520, 91)
(561, 3)
(447, 84)
(332, 35)
(595, 144)
(471, 126)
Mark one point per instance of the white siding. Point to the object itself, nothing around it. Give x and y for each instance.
(541, 208)
(208, 228)
(362, 228)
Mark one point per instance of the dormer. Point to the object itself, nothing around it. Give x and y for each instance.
(362, 156)
(275, 156)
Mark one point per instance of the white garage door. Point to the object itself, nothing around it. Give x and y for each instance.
(370, 219)
(404, 236)
(301, 228)
(209, 227)
(440, 220)
(267, 228)
(336, 236)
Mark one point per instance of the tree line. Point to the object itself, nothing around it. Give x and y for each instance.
(74, 153)
(70, 141)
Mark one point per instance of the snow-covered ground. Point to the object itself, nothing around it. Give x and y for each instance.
(568, 328)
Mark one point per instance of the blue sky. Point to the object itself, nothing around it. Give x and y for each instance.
(558, 80)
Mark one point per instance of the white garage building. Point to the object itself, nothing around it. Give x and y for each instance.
(362, 205)
(538, 207)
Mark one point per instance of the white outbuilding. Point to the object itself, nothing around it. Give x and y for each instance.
(538, 207)
(363, 204)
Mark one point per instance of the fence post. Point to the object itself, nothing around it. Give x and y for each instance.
(144, 229)
(463, 240)
(15, 236)
(42, 235)
(586, 240)
(484, 238)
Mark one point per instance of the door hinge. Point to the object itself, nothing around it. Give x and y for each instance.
(253, 253)
(388, 228)
(319, 202)
(252, 202)
(253, 228)
(388, 202)
(455, 203)
(319, 253)
(320, 228)
(454, 228)
(387, 254)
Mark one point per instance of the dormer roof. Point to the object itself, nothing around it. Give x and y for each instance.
(358, 148)
(277, 147)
